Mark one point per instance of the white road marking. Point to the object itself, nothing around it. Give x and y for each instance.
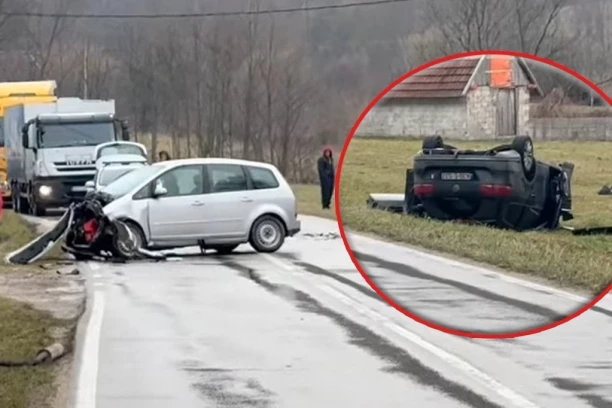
(461, 265)
(463, 366)
(88, 373)
(450, 359)
(94, 266)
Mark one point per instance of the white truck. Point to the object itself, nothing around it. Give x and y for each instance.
(50, 150)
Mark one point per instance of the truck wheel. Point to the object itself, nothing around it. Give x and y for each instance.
(35, 208)
(523, 145)
(22, 205)
(15, 200)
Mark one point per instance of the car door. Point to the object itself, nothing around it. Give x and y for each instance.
(228, 203)
(176, 216)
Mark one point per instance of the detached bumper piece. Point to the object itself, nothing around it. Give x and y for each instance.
(590, 231)
(36, 249)
(87, 234)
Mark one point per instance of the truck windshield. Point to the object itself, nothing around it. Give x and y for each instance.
(76, 134)
(131, 180)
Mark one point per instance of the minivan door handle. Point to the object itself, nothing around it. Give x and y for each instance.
(197, 204)
(246, 200)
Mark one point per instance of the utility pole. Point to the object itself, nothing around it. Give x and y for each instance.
(306, 20)
(85, 69)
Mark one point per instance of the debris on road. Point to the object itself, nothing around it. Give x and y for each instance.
(87, 234)
(322, 236)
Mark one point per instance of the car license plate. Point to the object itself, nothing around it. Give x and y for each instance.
(456, 176)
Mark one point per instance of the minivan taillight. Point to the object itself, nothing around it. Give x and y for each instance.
(423, 190)
(495, 191)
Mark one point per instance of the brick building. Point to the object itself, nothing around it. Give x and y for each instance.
(482, 97)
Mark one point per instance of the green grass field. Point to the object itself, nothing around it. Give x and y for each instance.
(379, 166)
(23, 330)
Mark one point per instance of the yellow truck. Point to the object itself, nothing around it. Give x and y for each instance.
(17, 93)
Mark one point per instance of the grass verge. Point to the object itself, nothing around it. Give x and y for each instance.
(23, 330)
(379, 166)
(309, 201)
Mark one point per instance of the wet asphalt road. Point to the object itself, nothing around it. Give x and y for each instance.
(301, 328)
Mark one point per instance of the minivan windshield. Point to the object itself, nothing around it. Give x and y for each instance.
(131, 180)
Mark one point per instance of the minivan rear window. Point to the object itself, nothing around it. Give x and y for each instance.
(262, 179)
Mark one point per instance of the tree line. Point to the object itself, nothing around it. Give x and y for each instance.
(276, 87)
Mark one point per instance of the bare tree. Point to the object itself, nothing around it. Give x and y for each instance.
(43, 35)
(524, 25)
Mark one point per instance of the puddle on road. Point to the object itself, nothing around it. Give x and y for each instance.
(227, 388)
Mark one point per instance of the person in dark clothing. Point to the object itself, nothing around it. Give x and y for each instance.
(325, 167)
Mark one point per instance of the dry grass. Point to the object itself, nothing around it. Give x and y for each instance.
(379, 166)
(309, 201)
(23, 330)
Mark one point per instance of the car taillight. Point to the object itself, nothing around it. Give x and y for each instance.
(495, 191)
(423, 190)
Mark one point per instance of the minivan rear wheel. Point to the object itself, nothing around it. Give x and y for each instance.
(267, 234)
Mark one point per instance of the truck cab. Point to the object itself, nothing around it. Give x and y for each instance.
(54, 157)
(15, 93)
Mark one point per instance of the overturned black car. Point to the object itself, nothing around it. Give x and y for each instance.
(504, 186)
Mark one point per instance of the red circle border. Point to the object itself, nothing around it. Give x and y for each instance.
(343, 232)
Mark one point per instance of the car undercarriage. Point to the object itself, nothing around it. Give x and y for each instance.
(504, 187)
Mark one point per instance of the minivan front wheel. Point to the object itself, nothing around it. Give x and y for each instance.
(267, 234)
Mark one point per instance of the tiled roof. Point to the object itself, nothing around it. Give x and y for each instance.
(445, 80)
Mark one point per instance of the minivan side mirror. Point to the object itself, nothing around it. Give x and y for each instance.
(159, 190)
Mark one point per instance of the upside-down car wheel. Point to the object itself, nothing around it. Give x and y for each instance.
(433, 142)
(523, 145)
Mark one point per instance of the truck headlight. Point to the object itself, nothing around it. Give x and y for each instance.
(45, 190)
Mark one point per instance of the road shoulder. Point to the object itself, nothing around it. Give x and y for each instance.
(331, 225)
(42, 304)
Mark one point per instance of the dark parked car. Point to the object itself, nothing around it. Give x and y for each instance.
(505, 186)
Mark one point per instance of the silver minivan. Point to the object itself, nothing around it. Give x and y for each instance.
(213, 203)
